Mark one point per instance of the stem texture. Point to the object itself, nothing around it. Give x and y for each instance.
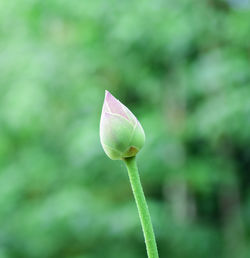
(142, 207)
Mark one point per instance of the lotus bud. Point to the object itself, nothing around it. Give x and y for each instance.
(121, 134)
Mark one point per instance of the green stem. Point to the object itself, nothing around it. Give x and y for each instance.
(142, 207)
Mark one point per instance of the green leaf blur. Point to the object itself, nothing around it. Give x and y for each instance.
(183, 68)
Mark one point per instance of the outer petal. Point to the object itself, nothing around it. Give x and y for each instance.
(115, 131)
(138, 137)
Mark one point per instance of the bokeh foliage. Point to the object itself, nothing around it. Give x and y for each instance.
(183, 68)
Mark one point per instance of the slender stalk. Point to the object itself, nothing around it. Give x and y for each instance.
(142, 207)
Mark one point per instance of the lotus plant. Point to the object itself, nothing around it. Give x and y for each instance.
(122, 137)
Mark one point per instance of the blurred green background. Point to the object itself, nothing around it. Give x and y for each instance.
(182, 67)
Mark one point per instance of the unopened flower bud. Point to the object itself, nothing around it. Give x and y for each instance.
(121, 134)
